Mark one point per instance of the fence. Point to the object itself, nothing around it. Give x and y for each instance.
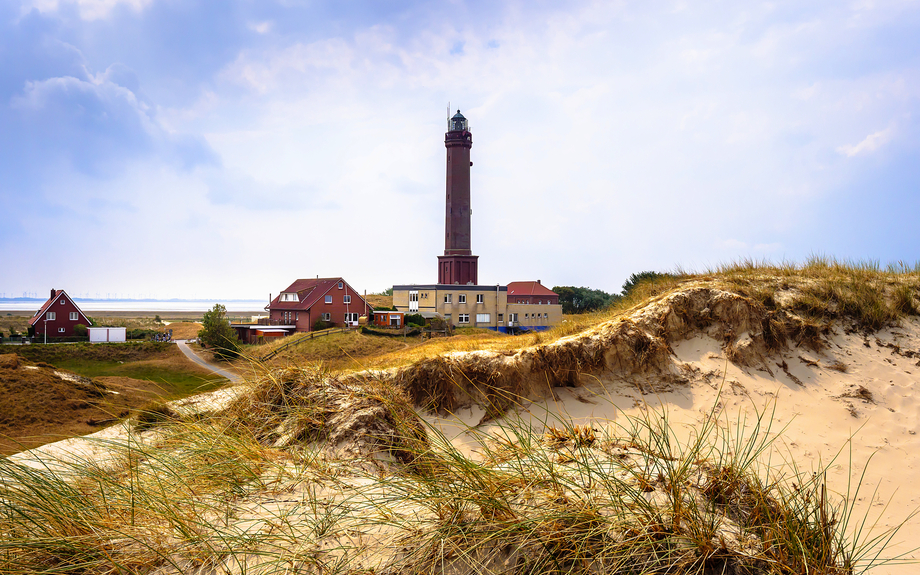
(304, 337)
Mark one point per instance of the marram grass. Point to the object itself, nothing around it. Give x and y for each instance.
(638, 497)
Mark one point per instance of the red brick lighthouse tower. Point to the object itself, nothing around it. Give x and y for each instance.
(458, 265)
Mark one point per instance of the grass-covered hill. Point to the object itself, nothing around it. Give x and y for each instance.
(644, 439)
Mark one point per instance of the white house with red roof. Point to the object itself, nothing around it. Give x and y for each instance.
(58, 316)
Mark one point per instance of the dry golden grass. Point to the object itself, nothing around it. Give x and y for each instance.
(184, 329)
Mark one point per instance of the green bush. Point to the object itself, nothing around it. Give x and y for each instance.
(216, 333)
(638, 278)
(140, 333)
(582, 299)
(415, 319)
(80, 330)
(320, 325)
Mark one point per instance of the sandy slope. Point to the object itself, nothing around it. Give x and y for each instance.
(854, 405)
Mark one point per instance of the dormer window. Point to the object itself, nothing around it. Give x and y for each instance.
(289, 297)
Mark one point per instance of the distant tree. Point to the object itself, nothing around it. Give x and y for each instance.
(641, 277)
(157, 319)
(582, 299)
(13, 332)
(216, 333)
(80, 330)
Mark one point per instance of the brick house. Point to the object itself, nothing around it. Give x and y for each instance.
(60, 314)
(307, 301)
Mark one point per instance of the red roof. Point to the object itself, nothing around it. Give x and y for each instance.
(529, 288)
(309, 292)
(57, 295)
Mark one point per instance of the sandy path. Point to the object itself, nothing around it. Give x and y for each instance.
(233, 377)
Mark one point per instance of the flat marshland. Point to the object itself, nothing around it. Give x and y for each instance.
(752, 419)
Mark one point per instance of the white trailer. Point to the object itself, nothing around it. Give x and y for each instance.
(107, 334)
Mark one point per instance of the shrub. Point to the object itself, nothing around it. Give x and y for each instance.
(216, 333)
(582, 299)
(320, 325)
(415, 319)
(140, 333)
(641, 277)
(80, 330)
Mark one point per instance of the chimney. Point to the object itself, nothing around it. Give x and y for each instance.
(53, 292)
(538, 283)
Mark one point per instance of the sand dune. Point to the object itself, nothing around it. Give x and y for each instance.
(840, 399)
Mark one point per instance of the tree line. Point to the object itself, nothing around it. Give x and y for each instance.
(583, 299)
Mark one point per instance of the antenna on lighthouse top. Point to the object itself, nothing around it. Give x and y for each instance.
(448, 114)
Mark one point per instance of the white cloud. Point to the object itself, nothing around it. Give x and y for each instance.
(869, 144)
(88, 9)
(261, 27)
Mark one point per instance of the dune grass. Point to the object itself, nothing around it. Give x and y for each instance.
(641, 496)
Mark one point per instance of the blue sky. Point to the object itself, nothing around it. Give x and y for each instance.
(223, 149)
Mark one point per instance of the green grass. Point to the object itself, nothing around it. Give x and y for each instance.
(174, 380)
(157, 362)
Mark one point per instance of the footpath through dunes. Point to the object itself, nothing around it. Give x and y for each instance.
(716, 427)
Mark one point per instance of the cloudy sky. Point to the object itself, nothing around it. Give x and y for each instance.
(186, 148)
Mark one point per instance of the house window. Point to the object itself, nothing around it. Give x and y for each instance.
(413, 296)
(328, 299)
(351, 317)
(297, 316)
(327, 317)
(289, 297)
(347, 299)
(60, 330)
(394, 320)
(74, 316)
(340, 285)
(545, 315)
(462, 298)
(512, 318)
(479, 298)
(501, 318)
(447, 317)
(51, 316)
(63, 301)
(483, 318)
(464, 318)
(447, 298)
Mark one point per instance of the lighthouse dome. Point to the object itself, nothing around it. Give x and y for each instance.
(458, 123)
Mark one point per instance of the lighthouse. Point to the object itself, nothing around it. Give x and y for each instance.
(458, 265)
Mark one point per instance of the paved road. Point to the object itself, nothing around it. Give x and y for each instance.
(234, 378)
